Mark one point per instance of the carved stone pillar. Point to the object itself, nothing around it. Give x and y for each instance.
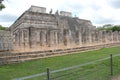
(89, 37)
(119, 35)
(43, 38)
(77, 38)
(104, 36)
(50, 38)
(55, 38)
(80, 38)
(66, 37)
(110, 36)
(93, 36)
(115, 36)
(22, 37)
(100, 36)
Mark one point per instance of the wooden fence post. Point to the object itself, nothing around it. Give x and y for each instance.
(111, 65)
(48, 74)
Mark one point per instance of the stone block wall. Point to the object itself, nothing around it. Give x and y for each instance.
(37, 9)
(63, 13)
(5, 40)
(37, 30)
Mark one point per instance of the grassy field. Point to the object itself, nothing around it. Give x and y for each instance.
(95, 71)
(8, 72)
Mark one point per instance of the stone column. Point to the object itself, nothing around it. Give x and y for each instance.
(58, 37)
(110, 36)
(93, 37)
(29, 36)
(77, 38)
(55, 38)
(83, 37)
(89, 37)
(115, 36)
(61, 38)
(17, 40)
(51, 42)
(99, 37)
(117, 33)
(80, 39)
(112, 40)
(66, 37)
(22, 37)
(104, 37)
(43, 38)
(119, 36)
(26, 38)
(19, 37)
(37, 39)
(86, 38)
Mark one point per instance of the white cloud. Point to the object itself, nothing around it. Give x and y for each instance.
(98, 11)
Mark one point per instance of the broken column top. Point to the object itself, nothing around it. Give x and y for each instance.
(37, 9)
(64, 13)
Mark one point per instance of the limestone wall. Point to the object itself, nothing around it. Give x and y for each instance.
(42, 31)
(37, 9)
(5, 40)
(63, 13)
(36, 39)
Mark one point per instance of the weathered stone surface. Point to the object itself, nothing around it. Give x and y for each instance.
(37, 9)
(5, 40)
(37, 30)
(63, 13)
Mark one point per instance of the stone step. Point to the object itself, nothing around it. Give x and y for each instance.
(7, 58)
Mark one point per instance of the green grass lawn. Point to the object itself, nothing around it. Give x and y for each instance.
(95, 71)
(8, 72)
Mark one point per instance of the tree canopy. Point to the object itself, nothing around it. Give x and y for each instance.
(108, 27)
(2, 28)
(2, 6)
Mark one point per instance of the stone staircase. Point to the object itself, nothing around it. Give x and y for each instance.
(10, 57)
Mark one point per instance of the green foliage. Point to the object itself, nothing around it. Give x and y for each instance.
(2, 28)
(109, 27)
(2, 6)
(104, 28)
(116, 28)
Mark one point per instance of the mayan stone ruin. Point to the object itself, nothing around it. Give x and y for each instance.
(36, 30)
(37, 34)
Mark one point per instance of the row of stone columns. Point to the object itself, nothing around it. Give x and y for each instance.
(43, 38)
(100, 37)
(5, 40)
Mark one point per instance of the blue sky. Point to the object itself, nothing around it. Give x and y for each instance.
(100, 12)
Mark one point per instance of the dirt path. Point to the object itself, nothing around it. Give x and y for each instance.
(116, 78)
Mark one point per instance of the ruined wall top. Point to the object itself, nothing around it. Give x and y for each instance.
(37, 9)
(37, 17)
(5, 33)
(64, 13)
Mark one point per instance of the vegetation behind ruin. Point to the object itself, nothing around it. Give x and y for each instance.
(109, 27)
(2, 28)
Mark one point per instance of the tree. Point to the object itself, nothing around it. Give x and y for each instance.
(1, 5)
(1, 1)
(2, 28)
(108, 27)
(116, 28)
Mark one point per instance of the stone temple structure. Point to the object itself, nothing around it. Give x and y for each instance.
(37, 30)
